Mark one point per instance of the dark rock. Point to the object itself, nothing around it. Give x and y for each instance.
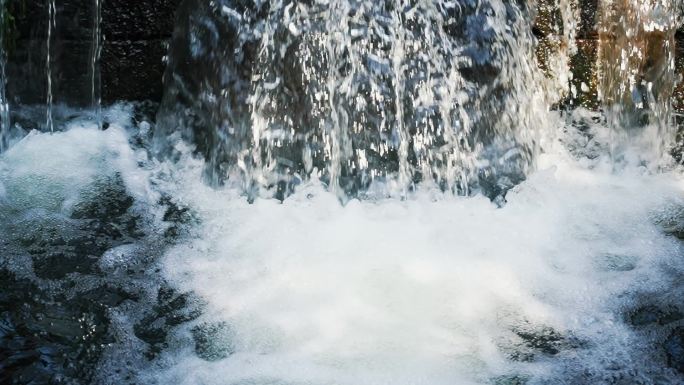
(534, 341)
(178, 217)
(673, 222)
(138, 20)
(107, 199)
(71, 69)
(584, 75)
(133, 70)
(615, 262)
(213, 342)
(545, 340)
(42, 340)
(171, 310)
(587, 22)
(55, 302)
(135, 35)
(674, 348)
(651, 314)
(510, 380)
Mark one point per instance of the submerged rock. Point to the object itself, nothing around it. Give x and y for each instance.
(213, 342)
(615, 262)
(658, 322)
(651, 314)
(172, 309)
(672, 222)
(66, 271)
(510, 380)
(674, 348)
(534, 341)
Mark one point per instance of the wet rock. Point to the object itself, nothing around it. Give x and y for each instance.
(674, 348)
(109, 296)
(584, 82)
(136, 20)
(651, 314)
(672, 222)
(615, 262)
(178, 217)
(510, 380)
(133, 70)
(545, 340)
(43, 339)
(135, 37)
(213, 342)
(172, 309)
(106, 199)
(100, 221)
(534, 341)
(55, 302)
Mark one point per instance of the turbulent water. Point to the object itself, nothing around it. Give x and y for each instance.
(565, 284)
(351, 192)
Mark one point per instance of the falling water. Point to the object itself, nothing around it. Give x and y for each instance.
(128, 267)
(52, 24)
(372, 93)
(95, 52)
(4, 105)
(637, 71)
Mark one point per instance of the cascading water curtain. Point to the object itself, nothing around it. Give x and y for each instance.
(52, 23)
(95, 52)
(387, 99)
(637, 72)
(4, 105)
(375, 95)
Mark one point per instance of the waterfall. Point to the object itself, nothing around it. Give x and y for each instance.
(637, 70)
(404, 192)
(95, 52)
(52, 25)
(363, 94)
(4, 105)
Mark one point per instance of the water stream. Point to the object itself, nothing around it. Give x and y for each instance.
(95, 54)
(51, 26)
(4, 105)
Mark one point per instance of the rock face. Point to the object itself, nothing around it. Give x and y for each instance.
(135, 34)
(81, 288)
(674, 348)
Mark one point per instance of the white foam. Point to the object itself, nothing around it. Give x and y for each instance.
(423, 291)
(51, 171)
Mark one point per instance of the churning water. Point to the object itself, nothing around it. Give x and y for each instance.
(353, 192)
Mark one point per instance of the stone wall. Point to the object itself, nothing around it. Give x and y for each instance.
(584, 64)
(136, 35)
